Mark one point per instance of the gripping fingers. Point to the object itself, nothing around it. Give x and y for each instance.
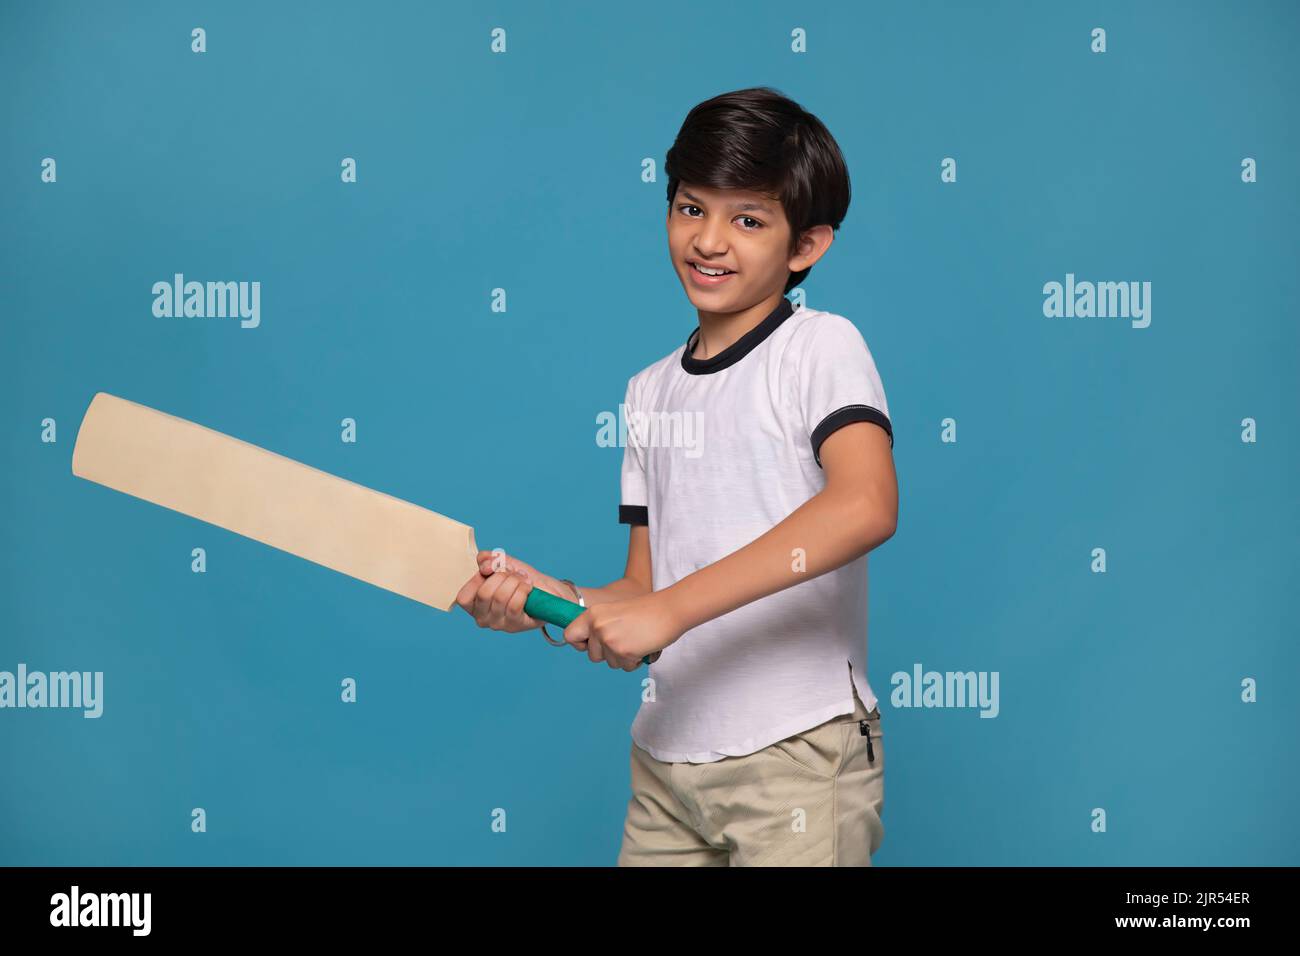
(582, 637)
(480, 601)
(490, 562)
(578, 633)
(503, 600)
(514, 610)
(481, 607)
(467, 594)
(489, 603)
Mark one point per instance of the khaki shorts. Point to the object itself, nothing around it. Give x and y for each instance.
(813, 799)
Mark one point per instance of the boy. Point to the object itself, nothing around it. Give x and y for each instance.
(758, 741)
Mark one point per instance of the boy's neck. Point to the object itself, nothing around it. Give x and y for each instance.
(719, 330)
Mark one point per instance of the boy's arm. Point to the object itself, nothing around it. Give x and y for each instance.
(855, 512)
(636, 576)
(497, 600)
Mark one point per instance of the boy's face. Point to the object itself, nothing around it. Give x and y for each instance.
(743, 232)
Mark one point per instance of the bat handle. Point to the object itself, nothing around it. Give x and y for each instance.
(556, 610)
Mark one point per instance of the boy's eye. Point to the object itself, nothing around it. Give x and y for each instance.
(752, 228)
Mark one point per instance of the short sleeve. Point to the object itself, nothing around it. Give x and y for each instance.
(837, 381)
(633, 504)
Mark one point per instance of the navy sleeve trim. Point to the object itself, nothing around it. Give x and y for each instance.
(633, 514)
(846, 416)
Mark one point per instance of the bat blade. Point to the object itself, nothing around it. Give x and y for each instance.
(344, 526)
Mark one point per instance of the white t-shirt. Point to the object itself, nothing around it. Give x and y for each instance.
(718, 451)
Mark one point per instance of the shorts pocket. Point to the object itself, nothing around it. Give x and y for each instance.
(819, 751)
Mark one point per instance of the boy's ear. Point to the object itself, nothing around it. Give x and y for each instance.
(812, 245)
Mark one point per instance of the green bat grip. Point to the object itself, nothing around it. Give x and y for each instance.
(555, 610)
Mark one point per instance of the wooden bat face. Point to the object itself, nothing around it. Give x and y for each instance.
(366, 534)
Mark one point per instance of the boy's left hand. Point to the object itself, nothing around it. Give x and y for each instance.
(620, 633)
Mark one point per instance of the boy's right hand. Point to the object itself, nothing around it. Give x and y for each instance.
(495, 596)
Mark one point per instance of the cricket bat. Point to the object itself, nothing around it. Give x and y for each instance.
(344, 526)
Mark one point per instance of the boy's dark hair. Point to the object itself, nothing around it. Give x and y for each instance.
(760, 140)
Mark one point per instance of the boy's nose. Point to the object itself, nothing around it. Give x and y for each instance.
(709, 239)
(708, 247)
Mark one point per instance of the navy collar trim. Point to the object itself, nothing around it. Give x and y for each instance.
(738, 349)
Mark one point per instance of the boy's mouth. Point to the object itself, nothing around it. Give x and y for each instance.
(704, 278)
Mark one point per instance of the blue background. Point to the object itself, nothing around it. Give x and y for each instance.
(1118, 690)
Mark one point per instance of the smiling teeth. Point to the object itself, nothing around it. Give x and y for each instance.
(710, 272)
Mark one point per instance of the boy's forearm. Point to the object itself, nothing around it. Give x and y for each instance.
(831, 529)
(620, 590)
